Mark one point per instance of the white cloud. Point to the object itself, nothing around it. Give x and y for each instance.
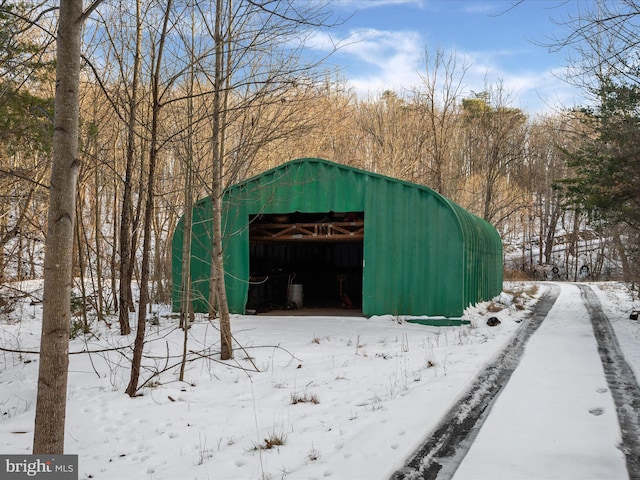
(533, 91)
(376, 60)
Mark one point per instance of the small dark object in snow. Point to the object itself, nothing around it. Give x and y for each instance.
(634, 315)
(493, 321)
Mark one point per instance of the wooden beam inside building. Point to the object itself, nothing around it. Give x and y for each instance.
(333, 231)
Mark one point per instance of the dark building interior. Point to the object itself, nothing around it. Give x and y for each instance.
(305, 260)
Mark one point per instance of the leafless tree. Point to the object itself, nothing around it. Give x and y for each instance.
(494, 145)
(438, 100)
(54, 343)
(127, 242)
(149, 206)
(254, 68)
(384, 124)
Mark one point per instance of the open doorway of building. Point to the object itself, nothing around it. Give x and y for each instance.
(302, 261)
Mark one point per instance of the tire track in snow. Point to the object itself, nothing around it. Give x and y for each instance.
(620, 378)
(441, 453)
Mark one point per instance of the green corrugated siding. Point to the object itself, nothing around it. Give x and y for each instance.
(411, 240)
(482, 256)
(423, 254)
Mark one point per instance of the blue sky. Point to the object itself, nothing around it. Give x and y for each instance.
(384, 42)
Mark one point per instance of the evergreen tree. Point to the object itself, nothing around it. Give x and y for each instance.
(607, 169)
(606, 181)
(25, 112)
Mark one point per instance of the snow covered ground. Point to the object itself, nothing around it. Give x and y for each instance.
(347, 397)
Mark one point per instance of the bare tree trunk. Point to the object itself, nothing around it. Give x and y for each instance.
(98, 238)
(574, 248)
(488, 195)
(217, 283)
(186, 306)
(132, 388)
(114, 248)
(551, 225)
(79, 228)
(622, 255)
(54, 344)
(126, 250)
(4, 227)
(185, 294)
(19, 256)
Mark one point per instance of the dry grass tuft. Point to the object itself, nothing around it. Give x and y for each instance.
(304, 398)
(274, 440)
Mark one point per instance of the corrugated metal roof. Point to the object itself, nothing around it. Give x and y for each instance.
(423, 254)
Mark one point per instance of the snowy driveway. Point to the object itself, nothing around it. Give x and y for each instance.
(556, 417)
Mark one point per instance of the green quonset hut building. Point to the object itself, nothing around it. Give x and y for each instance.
(342, 236)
